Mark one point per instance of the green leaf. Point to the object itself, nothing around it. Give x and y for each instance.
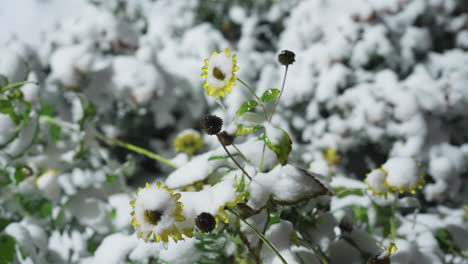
(246, 107)
(385, 217)
(7, 249)
(111, 178)
(4, 222)
(55, 132)
(341, 192)
(4, 178)
(270, 95)
(92, 245)
(113, 213)
(445, 240)
(46, 209)
(46, 110)
(89, 111)
(21, 173)
(6, 107)
(218, 157)
(243, 130)
(360, 213)
(281, 150)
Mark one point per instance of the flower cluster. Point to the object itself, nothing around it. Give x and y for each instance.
(159, 213)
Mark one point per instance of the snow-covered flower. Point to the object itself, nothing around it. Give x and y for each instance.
(219, 71)
(398, 174)
(403, 174)
(188, 141)
(376, 182)
(156, 211)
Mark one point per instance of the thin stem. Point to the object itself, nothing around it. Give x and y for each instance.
(149, 154)
(323, 259)
(110, 141)
(59, 122)
(281, 92)
(240, 153)
(232, 158)
(261, 236)
(15, 85)
(262, 159)
(256, 97)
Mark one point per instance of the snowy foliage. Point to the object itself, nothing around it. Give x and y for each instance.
(362, 157)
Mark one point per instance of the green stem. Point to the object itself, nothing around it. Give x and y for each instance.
(149, 154)
(260, 167)
(15, 85)
(281, 92)
(261, 236)
(240, 153)
(232, 158)
(323, 259)
(111, 141)
(256, 97)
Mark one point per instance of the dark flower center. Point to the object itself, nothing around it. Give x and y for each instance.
(152, 216)
(218, 74)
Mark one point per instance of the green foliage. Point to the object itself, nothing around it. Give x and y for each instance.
(341, 192)
(111, 178)
(4, 222)
(281, 150)
(445, 240)
(246, 107)
(360, 213)
(7, 249)
(4, 178)
(244, 130)
(21, 173)
(270, 95)
(212, 247)
(54, 130)
(385, 219)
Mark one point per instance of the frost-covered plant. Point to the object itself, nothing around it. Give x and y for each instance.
(373, 112)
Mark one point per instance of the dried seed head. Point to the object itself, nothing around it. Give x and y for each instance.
(286, 57)
(211, 125)
(205, 222)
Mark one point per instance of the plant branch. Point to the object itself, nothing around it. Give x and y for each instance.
(261, 236)
(281, 92)
(232, 158)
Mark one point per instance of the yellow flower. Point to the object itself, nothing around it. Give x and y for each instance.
(331, 156)
(219, 71)
(156, 212)
(188, 141)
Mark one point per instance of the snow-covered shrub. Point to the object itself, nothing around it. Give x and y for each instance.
(352, 151)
